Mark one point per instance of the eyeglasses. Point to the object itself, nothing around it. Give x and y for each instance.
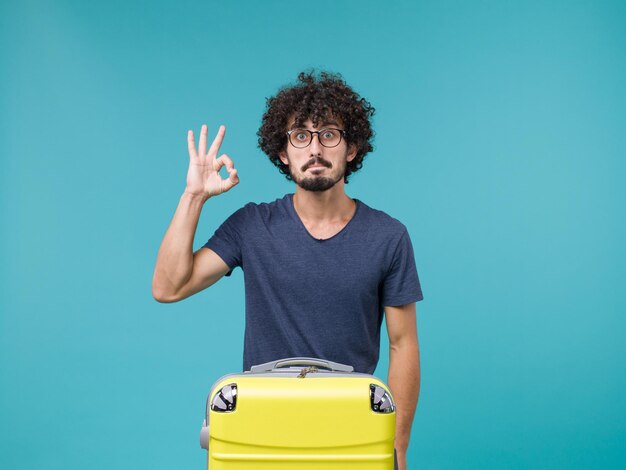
(301, 138)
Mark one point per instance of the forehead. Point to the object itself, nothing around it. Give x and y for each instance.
(308, 123)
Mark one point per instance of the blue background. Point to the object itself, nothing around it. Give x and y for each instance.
(500, 144)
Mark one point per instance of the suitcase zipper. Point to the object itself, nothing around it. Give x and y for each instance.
(306, 370)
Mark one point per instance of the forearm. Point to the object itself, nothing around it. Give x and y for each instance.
(175, 259)
(404, 382)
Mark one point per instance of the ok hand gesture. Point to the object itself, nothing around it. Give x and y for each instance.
(203, 177)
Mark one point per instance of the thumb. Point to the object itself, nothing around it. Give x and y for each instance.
(232, 180)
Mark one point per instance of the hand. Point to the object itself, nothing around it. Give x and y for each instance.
(203, 176)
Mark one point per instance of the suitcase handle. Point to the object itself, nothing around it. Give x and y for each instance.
(301, 361)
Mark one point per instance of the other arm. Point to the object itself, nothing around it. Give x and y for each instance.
(404, 372)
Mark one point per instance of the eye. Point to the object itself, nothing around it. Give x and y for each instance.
(328, 134)
(301, 136)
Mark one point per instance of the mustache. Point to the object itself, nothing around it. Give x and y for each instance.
(316, 161)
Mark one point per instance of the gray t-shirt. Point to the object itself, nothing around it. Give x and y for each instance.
(317, 298)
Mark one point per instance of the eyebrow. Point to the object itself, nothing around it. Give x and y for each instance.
(322, 125)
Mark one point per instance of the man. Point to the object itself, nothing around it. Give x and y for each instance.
(319, 267)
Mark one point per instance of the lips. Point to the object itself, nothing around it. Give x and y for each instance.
(316, 163)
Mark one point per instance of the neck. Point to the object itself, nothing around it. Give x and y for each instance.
(333, 204)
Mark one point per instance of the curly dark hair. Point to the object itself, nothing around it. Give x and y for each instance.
(319, 98)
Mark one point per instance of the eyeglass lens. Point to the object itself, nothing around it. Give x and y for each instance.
(301, 138)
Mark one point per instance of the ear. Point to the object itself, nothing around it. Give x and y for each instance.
(352, 150)
(283, 157)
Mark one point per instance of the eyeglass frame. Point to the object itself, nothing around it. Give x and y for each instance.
(342, 133)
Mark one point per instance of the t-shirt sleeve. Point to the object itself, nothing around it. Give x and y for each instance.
(227, 240)
(401, 284)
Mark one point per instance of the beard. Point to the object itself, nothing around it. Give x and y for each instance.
(317, 183)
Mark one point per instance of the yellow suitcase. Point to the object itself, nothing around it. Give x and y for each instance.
(299, 413)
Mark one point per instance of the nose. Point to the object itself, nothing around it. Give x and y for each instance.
(315, 146)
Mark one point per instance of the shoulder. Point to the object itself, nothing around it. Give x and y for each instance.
(254, 213)
(381, 222)
(265, 209)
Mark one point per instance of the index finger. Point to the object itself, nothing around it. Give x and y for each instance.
(217, 142)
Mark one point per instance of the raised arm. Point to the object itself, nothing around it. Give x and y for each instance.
(179, 272)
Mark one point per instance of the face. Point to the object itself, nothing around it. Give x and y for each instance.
(317, 168)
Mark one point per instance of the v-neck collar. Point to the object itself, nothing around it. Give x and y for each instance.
(294, 214)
